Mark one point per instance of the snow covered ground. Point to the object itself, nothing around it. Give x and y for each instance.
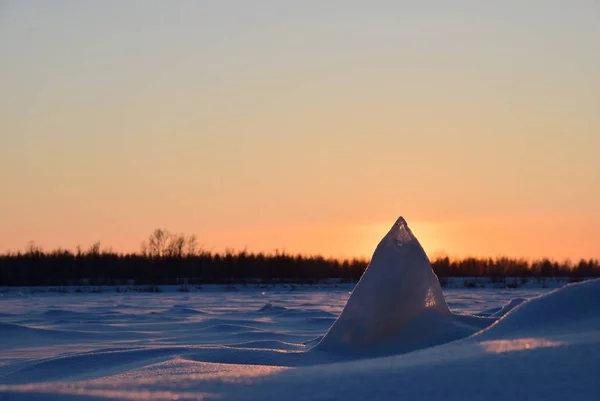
(156, 346)
(395, 339)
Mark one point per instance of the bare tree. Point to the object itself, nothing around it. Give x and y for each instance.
(33, 249)
(192, 245)
(157, 243)
(163, 243)
(94, 249)
(175, 245)
(144, 248)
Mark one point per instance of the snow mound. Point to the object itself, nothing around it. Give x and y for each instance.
(508, 307)
(268, 344)
(562, 311)
(62, 313)
(15, 335)
(270, 308)
(86, 365)
(398, 298)
(181, 310)
(502, 310)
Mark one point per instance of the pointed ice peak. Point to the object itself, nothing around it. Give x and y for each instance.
(398, 286)
(400, 233)
(401, 222)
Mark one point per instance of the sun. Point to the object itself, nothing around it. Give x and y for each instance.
(429, 235)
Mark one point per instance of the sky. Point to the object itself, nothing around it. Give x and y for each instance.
(304, 126)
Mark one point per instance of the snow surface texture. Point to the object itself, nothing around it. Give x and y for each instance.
(260, 345)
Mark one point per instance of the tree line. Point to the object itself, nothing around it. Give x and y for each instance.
(168, 258)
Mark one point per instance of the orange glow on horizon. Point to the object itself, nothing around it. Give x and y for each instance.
(529, 238)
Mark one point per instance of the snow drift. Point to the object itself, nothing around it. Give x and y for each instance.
(570, 309)
(547, 348)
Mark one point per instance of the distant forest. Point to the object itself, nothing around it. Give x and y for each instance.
(167, 258)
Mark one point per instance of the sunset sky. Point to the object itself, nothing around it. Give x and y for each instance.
(308, 126)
